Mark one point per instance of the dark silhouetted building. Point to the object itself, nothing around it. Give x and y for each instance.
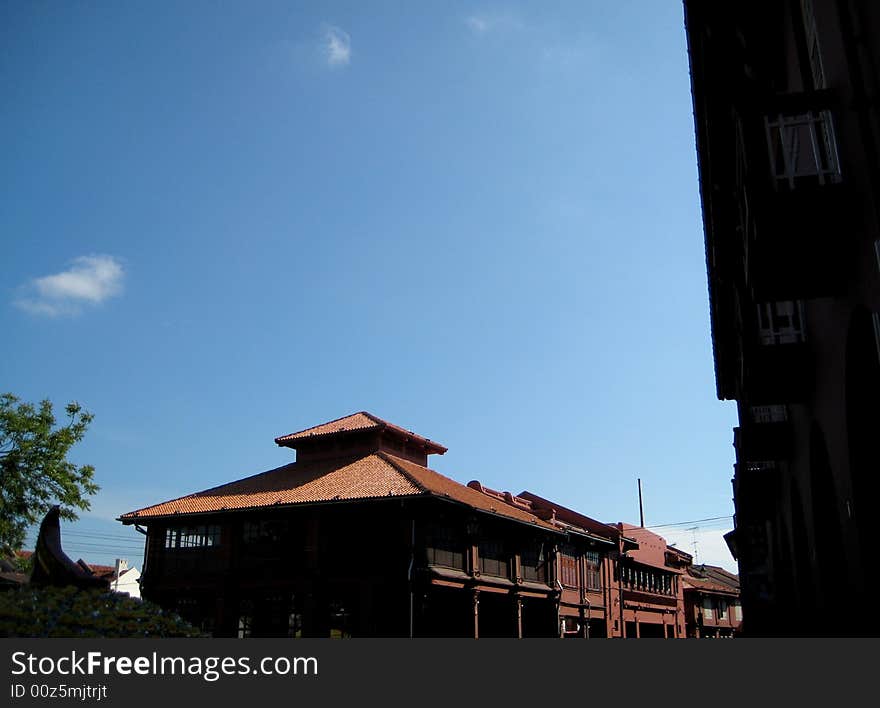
(787, 132)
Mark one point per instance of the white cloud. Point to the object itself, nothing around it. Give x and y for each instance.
(90, 280)
(485, 23)
(337, 46)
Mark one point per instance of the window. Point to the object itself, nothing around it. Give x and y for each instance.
(568, 567)
(737, 612)
(708, 609)
(493, 560)
(594, 575)
(245, 623)
(245, 619)
(444, 547)
(533, 563)
(769, 414)
(781, 322)
(264, 532)
(295, 625)
(207, 536)
(802, 148)
(722, 609)
(340, 621)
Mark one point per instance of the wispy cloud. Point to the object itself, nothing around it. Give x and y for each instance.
(89, 281)
(337, 46)
(488, 22)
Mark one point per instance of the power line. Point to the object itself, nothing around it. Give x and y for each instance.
(100, 535)
(686, 523)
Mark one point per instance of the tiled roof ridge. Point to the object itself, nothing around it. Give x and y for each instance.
(706, 584)
(394, 461)
(705, 567)
(378, 423)
(503, 496)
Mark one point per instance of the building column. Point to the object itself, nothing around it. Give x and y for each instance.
(519, 614)
(476, 605)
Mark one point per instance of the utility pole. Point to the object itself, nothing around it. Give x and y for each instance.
(641, 511)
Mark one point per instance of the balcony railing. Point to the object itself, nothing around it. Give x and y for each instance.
(803, 148)
(781, 322)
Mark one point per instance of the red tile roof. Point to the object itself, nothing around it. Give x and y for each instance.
(353, 423)
(561, 513)
(706, 585)
(435, 483)
(375, 476)
(102, 571)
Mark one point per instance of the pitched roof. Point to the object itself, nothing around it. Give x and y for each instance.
(354, 423)
(548, 514)
(296, 483)
(716, 574)
(376, 476)
(589, 524)
(706, 585)
(438, 485)
(102, 571)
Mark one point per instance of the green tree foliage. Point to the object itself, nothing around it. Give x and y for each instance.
(23, 564)
(68, 612)
(34, 470)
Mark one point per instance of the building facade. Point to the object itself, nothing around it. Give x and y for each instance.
(359, 537)
(712, 607)
(788, 142)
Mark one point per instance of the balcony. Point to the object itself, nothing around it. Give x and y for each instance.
(764, 441)
(804, 224)
(756, 494)
(804, 243)
(778, 362)
(781, 372)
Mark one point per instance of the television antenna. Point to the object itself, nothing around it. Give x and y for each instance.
(693, 530)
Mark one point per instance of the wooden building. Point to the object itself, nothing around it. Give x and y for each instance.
(357, 537)
(712, 604)
(651, 591)
(581, 564)
(633, 592)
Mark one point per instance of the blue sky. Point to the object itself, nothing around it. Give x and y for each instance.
(225, 222)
